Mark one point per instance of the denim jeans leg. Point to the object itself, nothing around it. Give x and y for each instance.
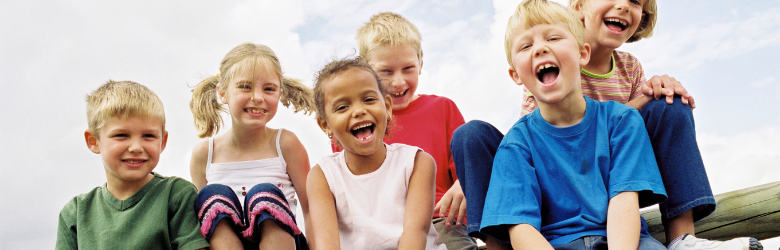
(672, 133)
(474, 146)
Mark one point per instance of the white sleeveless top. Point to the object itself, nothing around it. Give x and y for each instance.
(243, 175)
(370, 207)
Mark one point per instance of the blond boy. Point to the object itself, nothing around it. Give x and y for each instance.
(573, 173)
(136, 208)
(392, 46)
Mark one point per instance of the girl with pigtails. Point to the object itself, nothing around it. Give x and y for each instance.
(249, 176)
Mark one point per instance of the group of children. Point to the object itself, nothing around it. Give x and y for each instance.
(572, 173)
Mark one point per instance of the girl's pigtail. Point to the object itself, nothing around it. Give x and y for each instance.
(293, 91)
(205, 107)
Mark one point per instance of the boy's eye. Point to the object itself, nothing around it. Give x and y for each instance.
(524, 47)
(409, 67)
(341, 108)
(637, 2)
(150, 136)
(370, 99)
(553, 38)
(121, 136)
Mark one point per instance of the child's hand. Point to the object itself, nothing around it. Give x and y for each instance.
(659, 86)
(453, 201)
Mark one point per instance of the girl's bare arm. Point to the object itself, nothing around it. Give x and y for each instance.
(200, 155)
(297, 168)
(324, 232)
(419, 203)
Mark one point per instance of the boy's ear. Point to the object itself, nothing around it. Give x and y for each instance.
(584, 55)
(419, 70)
(92, 142)
(515, 76)
(164, 141)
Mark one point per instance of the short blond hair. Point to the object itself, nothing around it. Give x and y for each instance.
(205, 106)
(124, 98)
(646, 26)
(530, 13)
(387, 28)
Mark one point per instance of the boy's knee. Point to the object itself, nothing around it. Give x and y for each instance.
(471, 132)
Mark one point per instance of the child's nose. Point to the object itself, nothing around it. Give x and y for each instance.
(541, 50)
(397, 80)
(257, 96)
(622, 5)
(135, 146)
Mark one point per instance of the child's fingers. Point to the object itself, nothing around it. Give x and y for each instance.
(441, 208)
(454, 209)
(462, 213)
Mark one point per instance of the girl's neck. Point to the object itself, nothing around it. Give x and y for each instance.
(365, 164)
(243, 137)
(600, 60)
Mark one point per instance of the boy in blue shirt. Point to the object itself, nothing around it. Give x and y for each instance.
(572, 174)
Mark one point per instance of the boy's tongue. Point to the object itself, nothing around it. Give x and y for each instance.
(549, 76)
(363, 132)
(614, 27)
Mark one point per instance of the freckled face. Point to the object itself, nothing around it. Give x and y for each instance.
(398, 67)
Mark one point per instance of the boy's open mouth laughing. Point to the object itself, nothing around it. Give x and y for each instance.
(616, 24)
(363, 131)
(547, 73)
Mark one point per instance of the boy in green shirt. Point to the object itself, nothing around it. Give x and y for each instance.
(136, 208)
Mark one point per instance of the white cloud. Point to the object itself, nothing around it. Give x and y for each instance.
(733, 161)
(691, 45)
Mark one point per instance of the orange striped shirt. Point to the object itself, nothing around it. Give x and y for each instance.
(622, 84)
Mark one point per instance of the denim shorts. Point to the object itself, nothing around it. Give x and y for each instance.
(600, 242)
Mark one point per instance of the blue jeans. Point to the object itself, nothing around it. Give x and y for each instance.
(600, 242)
(672, 134)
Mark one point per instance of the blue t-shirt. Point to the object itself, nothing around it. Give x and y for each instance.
(560, 180)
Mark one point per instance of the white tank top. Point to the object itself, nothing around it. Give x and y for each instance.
(370, 207)
(243, 175)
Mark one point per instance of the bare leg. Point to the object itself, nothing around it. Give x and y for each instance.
(680, 225)
(493, 244)
(224, 237)
(274, 237)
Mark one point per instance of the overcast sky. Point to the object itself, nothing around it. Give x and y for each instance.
(52, 53)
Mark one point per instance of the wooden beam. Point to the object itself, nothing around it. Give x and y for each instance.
(753, 212)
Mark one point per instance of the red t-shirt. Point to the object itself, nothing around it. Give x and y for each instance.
(428, 123)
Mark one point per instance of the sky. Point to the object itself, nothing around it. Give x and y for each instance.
(52, 53)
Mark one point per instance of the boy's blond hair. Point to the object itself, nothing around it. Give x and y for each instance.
(205, 106)
(124, 99)
(646, 26)
(530, 13)
(387, 28)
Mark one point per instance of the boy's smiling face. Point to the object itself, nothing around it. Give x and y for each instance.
(398, 67)
(546, 58)
(129, 146)
(610, 23)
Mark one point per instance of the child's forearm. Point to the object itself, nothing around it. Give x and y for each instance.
(623, 223)
(525, 236)
(640, 102)
(412, 239)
